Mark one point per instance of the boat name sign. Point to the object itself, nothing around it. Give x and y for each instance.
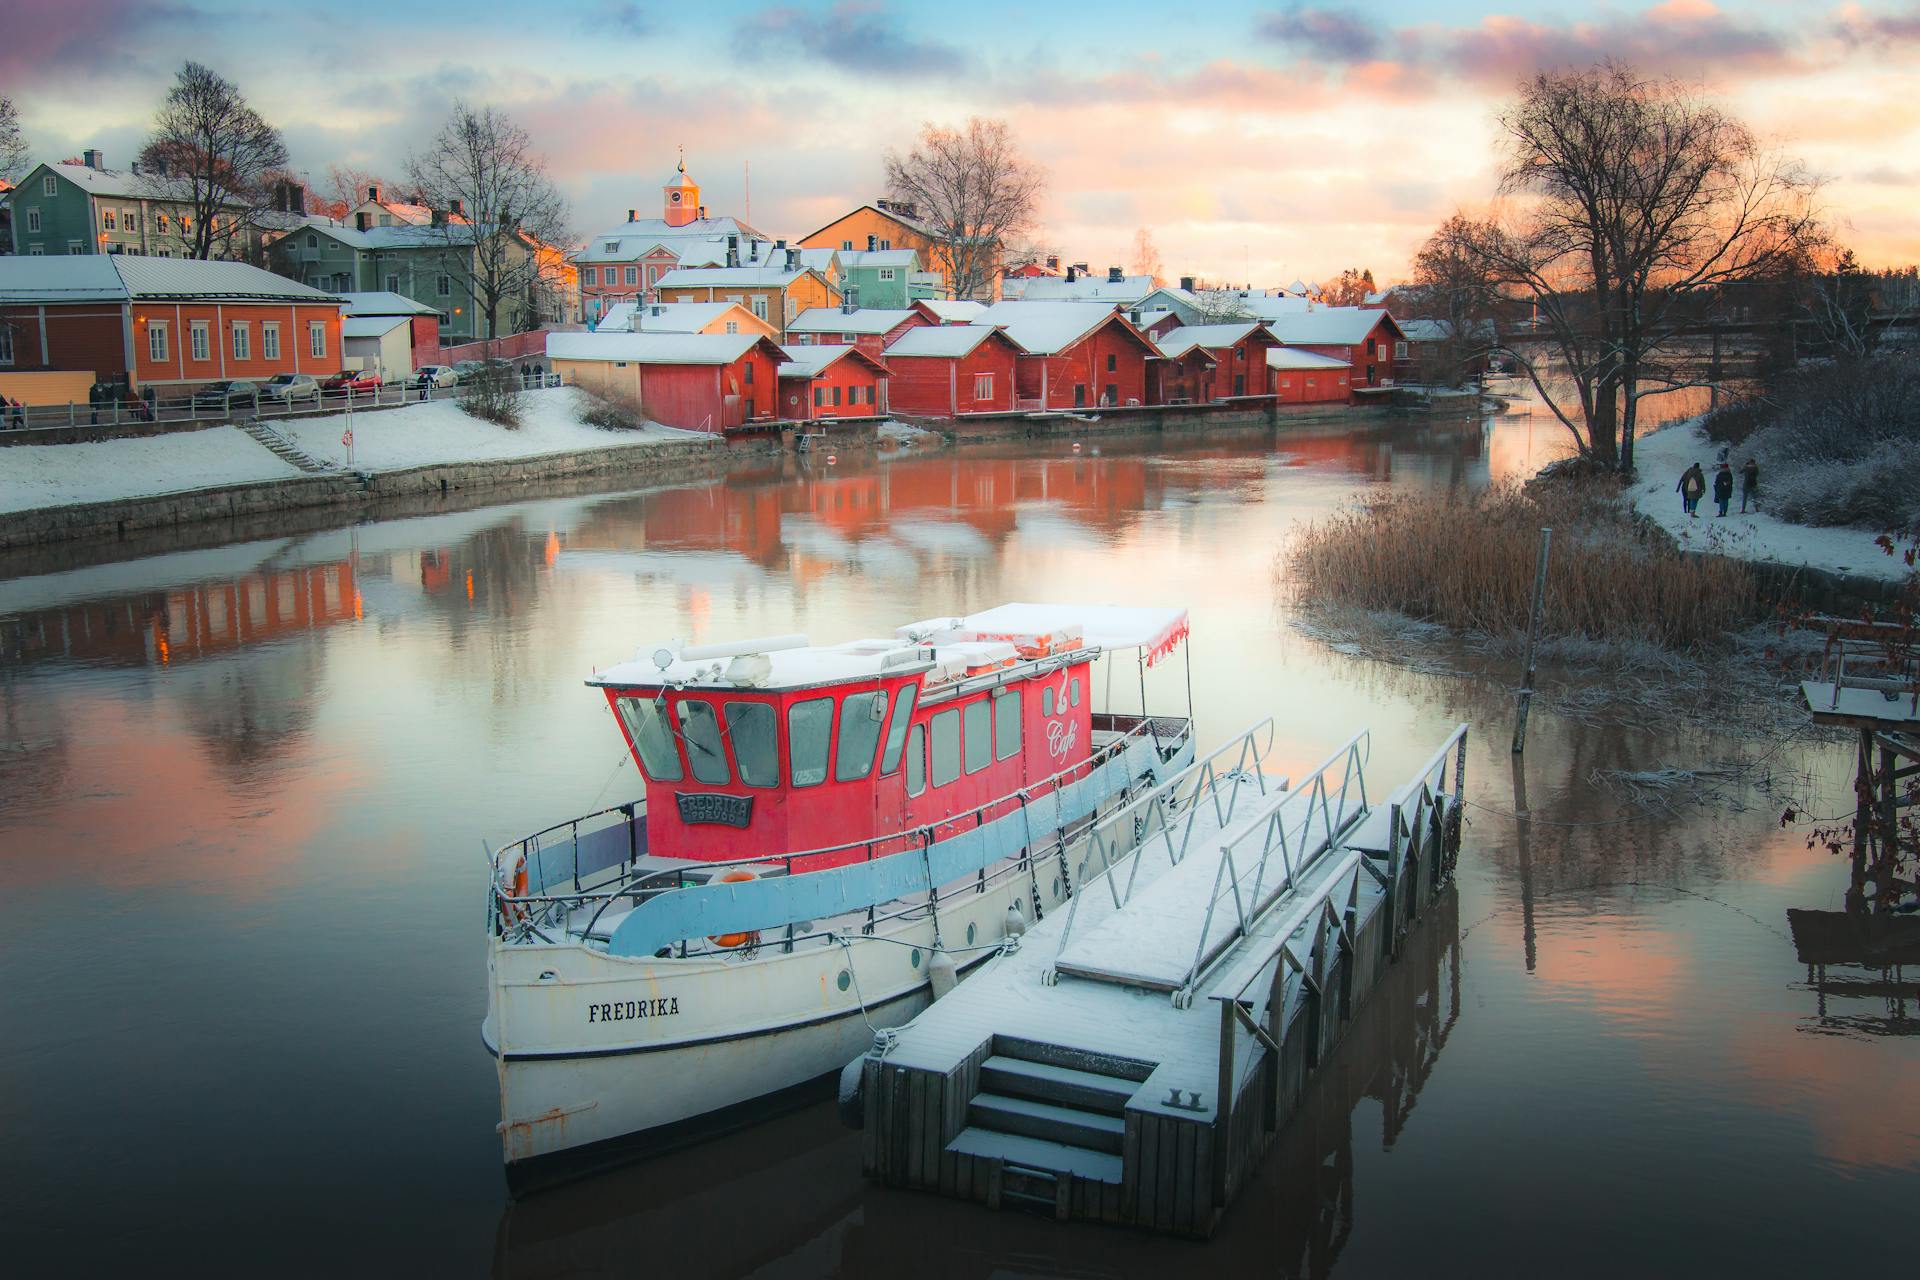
(714, 808)
(624, 1010)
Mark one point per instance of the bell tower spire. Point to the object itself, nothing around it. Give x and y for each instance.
(682, 196)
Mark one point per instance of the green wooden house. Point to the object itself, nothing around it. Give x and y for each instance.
(890, 279)
(88, 208)
(430, 264)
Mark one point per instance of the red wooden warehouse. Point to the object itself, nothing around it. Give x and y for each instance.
(944, 371)
(695, 381)
(869, 328)
(831, 382)
(1079, 355)
(1239, 350)
(1366, 337)
(1298, 376)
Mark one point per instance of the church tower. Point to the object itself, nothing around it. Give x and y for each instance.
(682, 197)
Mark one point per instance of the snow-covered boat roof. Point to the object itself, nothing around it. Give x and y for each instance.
(1106, 626)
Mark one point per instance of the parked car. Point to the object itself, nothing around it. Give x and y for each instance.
(467, 368)
(286, 388)
(351, 380)
(433, 375)
(227, 395)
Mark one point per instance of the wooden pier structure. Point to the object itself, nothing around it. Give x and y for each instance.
(1133, 1056)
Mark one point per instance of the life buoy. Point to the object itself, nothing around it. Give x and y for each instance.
(512, 912)
(738, 875)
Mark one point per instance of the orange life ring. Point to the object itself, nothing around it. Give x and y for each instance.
(738, 875)
(516, 911)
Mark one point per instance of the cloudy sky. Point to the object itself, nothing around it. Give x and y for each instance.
(1257, 141)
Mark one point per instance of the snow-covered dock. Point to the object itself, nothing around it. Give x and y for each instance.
(1133, 1058)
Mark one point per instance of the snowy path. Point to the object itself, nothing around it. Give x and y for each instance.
(1662, 456)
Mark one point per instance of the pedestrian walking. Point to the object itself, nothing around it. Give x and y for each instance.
(1723, 487)
(1750, 486)
(93, 405)
(1693, 483)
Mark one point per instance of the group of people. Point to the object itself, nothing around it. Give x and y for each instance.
(1693, 485)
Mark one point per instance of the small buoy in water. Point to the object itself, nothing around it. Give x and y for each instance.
(1076, 446)
(831, 459)
(1016, 923)
(941, 972)
(1096, 451)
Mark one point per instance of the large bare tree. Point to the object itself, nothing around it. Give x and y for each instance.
(1453, 284)
(14, 154)
(495, 210)
(1146, 257)
(215, 155)
(973, 191)
(1631, 204)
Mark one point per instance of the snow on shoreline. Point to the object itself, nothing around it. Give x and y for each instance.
(1659, 459)
(52, 475)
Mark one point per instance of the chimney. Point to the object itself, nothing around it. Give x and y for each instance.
(793, 259)
(1081, 267)
(360, 221)
(753, 250)
(873, 243)
(1053, 262)
(1133, 317)
(779, 244)
(1071, 276)
(373, 194)
(454, 208)
(1115, 275)
(1186, 283)
(93, 158)
(135, 167)
(733, 251)
(701, 213)
(633, 215)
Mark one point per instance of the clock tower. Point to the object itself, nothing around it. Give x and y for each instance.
(682, 204)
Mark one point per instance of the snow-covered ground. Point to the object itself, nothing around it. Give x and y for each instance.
(389, 439)
(1661, 457)
(52, 475)
(423, 435)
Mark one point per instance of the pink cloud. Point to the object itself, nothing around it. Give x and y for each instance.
(47, 39)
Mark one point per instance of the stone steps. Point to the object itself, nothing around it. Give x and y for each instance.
(267, 438)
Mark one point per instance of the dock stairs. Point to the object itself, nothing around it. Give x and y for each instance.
(1048, 1115)
(281, 446)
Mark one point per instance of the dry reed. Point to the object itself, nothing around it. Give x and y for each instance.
(1467, 563)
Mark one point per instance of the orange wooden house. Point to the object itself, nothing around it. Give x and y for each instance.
(776, 292)
(892, 224)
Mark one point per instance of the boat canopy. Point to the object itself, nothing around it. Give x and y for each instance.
(1154, 631)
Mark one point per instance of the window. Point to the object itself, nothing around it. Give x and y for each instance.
(750, 725)
(1112, 395)
(1113, 362)
(156, 341)
(633, 275)
(700, 730)
(1370, 346)
(819, 397)
(36, 251)
(946, 747)
(317, 339)
(651, 738)
(444, 285)
(33, 220)
(749, 372)
(160, 224)
(836, 397)
(270, 339)
(1239, 384)
(1046, 701)
(73, 248)
(733, 326)
(611, 246)
(242, 340)
(6, 344)
(1400, 351)
(107, 220)
(885, 245)
(1006, 724)
(313, 242)
(393, 282)
(861, 716)
(979, 735)
(897, 727)
(916, 760)
(1079, 395)
(653, 276)
(49, 185)
(886, 274)
(808, 724)
(760, 306)
(588, 276)
(845, 245)
(129, 220)
(197, 339)
(1073, 691)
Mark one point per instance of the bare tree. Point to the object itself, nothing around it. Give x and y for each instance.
(973, 191)
(1635, 202)
(1453, 284)
(346, 187)
(1839, 299)
(1146, 257)
(14, 153)
(213, 154)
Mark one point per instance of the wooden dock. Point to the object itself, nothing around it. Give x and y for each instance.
(1132, 1060)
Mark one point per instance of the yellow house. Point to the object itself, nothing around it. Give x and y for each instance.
(773, 293)
(889, 224)
(683, 317)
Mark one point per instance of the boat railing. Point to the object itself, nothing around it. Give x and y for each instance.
(528, 911)
(1166, 816)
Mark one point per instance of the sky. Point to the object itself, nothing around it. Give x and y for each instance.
(1258, 143)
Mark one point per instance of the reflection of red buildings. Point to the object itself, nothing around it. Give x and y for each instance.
(193, 622)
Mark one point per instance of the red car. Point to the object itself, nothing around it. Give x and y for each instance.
(351, 380)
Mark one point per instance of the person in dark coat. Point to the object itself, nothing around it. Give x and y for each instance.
(1723, 487)
(1693, 483)
(94, 395)
(1750, 486)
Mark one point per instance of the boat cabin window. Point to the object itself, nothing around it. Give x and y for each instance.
(861, 717)
(1006, 724)
(701, 730)
(916, 761)
(1046, 701)
(808, 725)
(750, 725)
(979, 735)
(903, 700)
(647, 726)
(946, 747)
(1074, 691)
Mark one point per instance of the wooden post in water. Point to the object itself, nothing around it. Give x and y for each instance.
(1533, 643)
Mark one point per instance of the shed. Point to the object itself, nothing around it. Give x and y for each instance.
(1079, 355)
(1239, 350)
(831, 382)
(869, 328)
(697, 381)
(1298, 376)
(949, 310)
(1366, 337)
(944, 371)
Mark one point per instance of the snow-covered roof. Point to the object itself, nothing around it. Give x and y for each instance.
(1177, 342)
(1346, 325)
(1293, 358)
(953, 310)
(383, 303)
(1108, 626)
(1261, 306)
(370, 326)
(754, 277)
(812, 361)
(851, 258)
(631, 240)
(114, 182)
(1087, 288)
(653, 348)
(1441, 330)
(672, 317)
(120, 277)
(799, 666)
(871, 320)
(1044, 328)
(1299, 288)
(952, 340)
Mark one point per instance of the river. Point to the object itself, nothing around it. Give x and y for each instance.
(244, 786)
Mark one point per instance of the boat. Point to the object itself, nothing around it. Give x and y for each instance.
(828, 837)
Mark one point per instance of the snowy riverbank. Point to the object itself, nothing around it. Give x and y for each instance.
(420, 435)
(1659, 459)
